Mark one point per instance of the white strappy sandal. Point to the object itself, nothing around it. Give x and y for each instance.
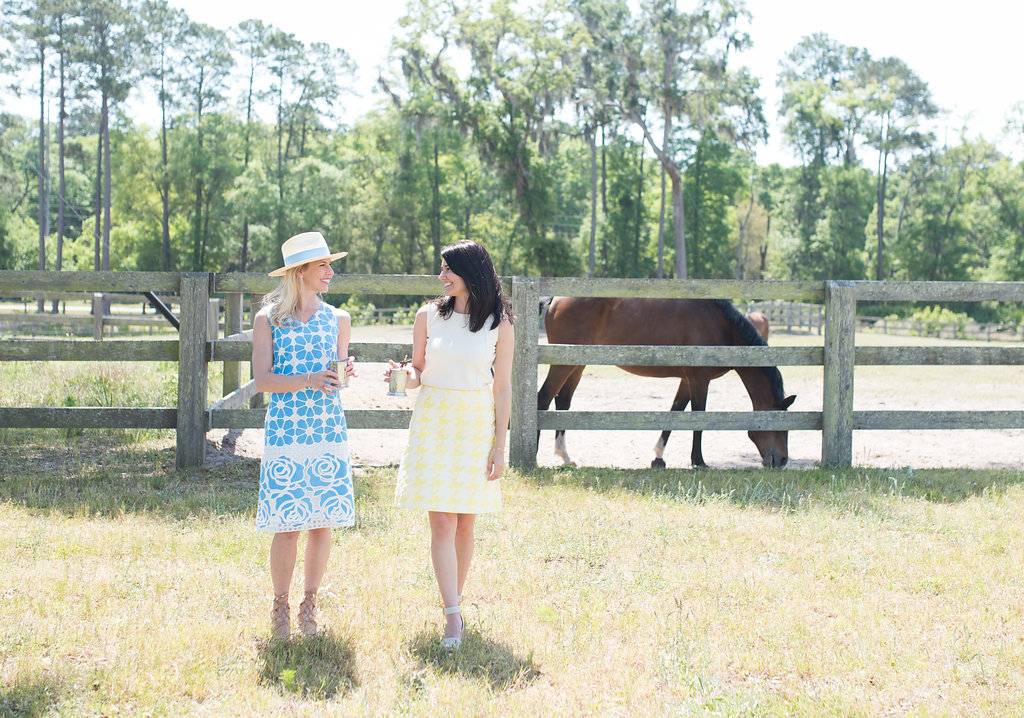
(455, 642)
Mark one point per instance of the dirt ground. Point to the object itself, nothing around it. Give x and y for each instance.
(612, 389)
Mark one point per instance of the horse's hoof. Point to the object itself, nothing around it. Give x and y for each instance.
(658, 463)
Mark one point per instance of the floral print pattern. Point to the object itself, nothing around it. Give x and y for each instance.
(306, 472)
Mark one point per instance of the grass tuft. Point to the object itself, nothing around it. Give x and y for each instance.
(318, 667)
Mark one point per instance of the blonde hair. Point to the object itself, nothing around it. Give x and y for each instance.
(281, 304)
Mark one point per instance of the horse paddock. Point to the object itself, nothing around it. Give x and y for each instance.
(609, 388)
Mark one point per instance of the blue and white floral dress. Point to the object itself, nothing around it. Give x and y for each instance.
(306, 472)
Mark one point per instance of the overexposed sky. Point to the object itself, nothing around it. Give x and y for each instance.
(968, 53)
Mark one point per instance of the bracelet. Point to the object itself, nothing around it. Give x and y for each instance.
(307, 379)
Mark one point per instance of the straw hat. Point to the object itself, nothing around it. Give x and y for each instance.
(302, 248)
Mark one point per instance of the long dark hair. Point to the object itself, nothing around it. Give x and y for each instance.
(473, 264)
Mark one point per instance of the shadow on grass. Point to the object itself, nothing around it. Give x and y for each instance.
(478, 659)
(31, 696)
(108, 475)
(318, 667)
(787, 489)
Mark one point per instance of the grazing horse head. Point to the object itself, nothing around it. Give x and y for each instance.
(773, 445)
(764, 385)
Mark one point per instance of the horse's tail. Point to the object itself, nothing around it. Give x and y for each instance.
(544, 303)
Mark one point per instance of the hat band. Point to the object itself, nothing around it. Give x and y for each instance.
(305, 256)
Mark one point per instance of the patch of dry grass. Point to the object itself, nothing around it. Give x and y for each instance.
(137, 590)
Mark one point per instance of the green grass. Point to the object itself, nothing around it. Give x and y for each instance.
(133, 589)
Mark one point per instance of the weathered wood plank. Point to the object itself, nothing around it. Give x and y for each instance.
(681, 420)
(927, 420)
(124, 282)
(525, 303)
(241, 350)
(87, 417)
(83, 296)
(238, 398)
(939, 291)
(192, 416)
(934, 356)
(643, 355)
(232, 327)
(74, 319)
(735, 290)
(88, 350)
(837, 393)
(355, 418)
(427, 285)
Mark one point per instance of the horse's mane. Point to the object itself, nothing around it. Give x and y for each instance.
(750, 336)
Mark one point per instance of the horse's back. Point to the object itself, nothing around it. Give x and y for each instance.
(636, 320)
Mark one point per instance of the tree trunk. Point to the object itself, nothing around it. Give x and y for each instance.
(435, 207)
(197, 232)
(592, 141)
(44, 208)
(280, 158)
(106, 187)
(248, 126)
(62, 186)
(639, 214)
(668, 166)
(742, 240)
(678, 231)
(661, 229)
(604, 175)
(883, 160)
(165, 185)
(98, 213)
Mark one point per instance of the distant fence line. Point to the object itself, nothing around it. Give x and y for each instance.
(199, 342)
(804, 316)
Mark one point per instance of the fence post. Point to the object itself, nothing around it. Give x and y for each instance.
(232, 325)
(837, 401)
(97, 316)
(213, 319)
(191, 434)
(525, 303)
(255, 304)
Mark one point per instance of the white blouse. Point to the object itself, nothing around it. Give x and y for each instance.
(457, 358)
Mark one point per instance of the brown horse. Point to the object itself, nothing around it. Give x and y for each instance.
(674, 322)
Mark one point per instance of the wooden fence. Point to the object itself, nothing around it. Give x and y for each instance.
(82, 318)
(197, 345)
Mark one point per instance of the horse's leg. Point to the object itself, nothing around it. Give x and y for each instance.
(562, 401)
(698, 402)
(559, 385)
(682, 398)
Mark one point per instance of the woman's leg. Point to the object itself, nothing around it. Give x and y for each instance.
(318, 551)
(446, 565)
(464, 546)
(283, 550)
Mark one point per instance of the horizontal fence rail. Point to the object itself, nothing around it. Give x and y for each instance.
(198, 344)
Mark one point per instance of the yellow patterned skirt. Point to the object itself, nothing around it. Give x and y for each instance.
(444, 467)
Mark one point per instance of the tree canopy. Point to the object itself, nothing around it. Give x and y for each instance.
(595, 137)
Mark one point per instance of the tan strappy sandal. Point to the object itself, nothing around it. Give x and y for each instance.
(307, 613)
(280, 617)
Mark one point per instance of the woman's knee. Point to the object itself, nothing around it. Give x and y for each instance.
(443, 524)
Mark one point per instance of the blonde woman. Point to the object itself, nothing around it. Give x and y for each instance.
(305, 471)
(462, 358)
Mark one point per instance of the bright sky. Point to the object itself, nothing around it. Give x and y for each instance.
(968, 53)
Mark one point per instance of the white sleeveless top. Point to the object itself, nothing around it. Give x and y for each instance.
(457, 358)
